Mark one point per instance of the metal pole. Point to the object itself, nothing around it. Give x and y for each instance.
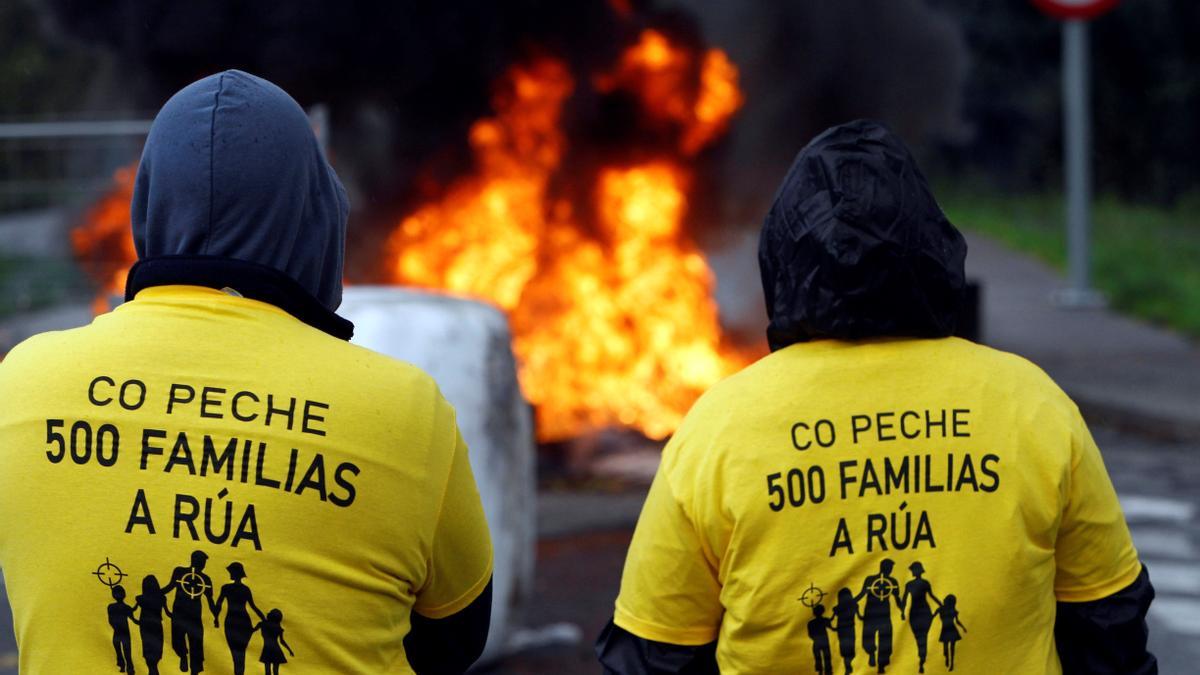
(1077, 165)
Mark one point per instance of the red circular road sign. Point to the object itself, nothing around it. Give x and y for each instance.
(1075, 9)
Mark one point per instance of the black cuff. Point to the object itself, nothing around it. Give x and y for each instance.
(1107, 636)
(252, 280)
(450, 645)
(624, 653)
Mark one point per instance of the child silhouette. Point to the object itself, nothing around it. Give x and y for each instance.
(272, 632)
(818, 630)
(153, 603)
(948, 612)
(119, 616)
(846, 611)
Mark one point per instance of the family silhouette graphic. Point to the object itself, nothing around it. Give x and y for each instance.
(153, 603)
(920, 617)
(193, 590)
(119, 616)
(880, 590)
(237, 621)
(272, 632)
(818, 630)
(949, 616)
(190, 585)
(845, 612)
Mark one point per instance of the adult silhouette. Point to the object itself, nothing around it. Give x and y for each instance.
(238, 627)
(152, 603)
(879, 589)
(920, 617)
(190, 585)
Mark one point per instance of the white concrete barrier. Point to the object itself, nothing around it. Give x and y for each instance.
(466, 347)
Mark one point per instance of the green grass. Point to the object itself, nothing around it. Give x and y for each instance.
(1145, 259)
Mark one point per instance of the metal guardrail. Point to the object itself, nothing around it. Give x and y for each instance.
(63, 162)
(102, 128)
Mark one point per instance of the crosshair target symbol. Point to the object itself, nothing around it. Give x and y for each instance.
(812, 596)
(883, 587)
(109, 574)
(192, 584)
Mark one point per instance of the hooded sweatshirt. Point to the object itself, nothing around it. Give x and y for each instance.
(234, 191)
(203, 444)
(867, 443)
(855, 246)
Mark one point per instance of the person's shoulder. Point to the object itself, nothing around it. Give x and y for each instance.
(40, 351)
(1005, 369)
(367, 367)
(988, 357)
(724, 410)
(40, 344)
(734, 388)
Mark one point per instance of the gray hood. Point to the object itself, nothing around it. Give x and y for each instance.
(232, 178)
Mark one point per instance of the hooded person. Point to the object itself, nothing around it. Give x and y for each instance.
(871, 437)
(221, 410)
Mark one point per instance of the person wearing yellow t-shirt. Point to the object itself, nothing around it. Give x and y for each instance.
(219, 424)
(870, 442)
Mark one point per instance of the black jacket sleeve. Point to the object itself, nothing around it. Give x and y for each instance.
(1107, 635)
(624, 653)
(449, 646)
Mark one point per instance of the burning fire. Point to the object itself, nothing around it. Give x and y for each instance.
(612, 326)
(104, 242)
(621, 329)
(609, 299)
(660, 74)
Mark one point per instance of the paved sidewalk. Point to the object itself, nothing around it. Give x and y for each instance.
(1121, 372)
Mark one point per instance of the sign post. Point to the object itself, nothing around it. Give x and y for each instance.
(1077, 143)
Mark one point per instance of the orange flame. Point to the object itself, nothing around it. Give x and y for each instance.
(613, 324)
(621, 330)
(613, 327)
(103, 243)
(719, 99)
(663, 76)
(482, 238)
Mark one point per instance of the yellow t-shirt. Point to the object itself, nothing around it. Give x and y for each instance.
(841, 503)
(192, 451)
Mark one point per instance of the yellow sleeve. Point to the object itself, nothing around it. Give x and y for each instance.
(669, 590)
(460, 563)
(1094, 554)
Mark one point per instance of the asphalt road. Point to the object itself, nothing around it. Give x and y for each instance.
(1159, 485)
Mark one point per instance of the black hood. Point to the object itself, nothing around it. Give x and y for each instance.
(856, 247)
(234, 190)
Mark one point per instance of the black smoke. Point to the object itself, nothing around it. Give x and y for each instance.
(403, 81)
(810, 64)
